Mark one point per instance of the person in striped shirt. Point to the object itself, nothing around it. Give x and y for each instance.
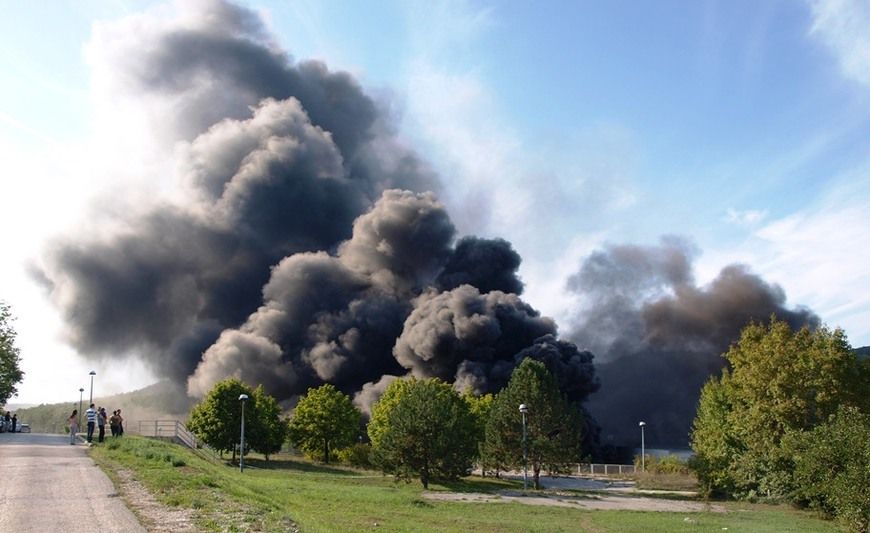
(91, 414)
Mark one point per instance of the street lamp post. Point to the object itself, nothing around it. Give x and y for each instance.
(81, 393)
(242, 399)
(642, 448)
(525, 409)
(92, 374)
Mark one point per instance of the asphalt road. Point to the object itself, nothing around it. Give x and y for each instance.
(47, 485)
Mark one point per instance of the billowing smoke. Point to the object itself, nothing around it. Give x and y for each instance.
(303, 249)
(276, 158)
(658, 336)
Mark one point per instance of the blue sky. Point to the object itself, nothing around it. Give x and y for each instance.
(560, 126)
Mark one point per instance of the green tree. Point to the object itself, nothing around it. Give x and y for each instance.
(430, 434)
(217, 418)
(713, 441)
(480, 407)
(324, 421)
(832, 468)
(269, 430)
(780, 381)
(379, 421)
(10, 372)
(553, 425)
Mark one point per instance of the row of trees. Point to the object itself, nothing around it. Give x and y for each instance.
(418, 429)
(788, 419)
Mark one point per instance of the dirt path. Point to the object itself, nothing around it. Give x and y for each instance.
(596, 501)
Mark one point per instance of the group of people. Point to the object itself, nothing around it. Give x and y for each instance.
(9, 422)
(96, 420)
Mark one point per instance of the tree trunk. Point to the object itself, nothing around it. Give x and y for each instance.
(536, 469)
(325, 451)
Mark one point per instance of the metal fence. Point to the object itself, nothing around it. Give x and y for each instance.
(169, 429)
(602, 469)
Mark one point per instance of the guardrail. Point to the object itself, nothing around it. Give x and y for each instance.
(602, 469)
(170, 429)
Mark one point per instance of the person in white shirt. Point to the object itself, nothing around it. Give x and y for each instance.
(91, 415)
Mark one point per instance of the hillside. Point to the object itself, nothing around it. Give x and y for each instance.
(161, 400)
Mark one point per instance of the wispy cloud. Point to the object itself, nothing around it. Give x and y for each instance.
(749, 217)
(818, 254)
(844, 26)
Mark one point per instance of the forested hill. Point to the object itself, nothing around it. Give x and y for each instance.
(864, 351)
(160, 400)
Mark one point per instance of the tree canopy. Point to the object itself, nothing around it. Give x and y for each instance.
(553, 425)
(10, 371)
(217, 418)
(832, 467)
(324, 421)
(379, 421)
(780, 381)
(429, 433)
(269, 431)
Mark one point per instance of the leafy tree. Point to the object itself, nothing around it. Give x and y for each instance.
(379, 421)
(269, 430)
(430, 434)
(325, 420)
(780, 381)
(553, 425)
(480, 407)
(713, 440)
(832, 468)
(217, 419)
(10, 372)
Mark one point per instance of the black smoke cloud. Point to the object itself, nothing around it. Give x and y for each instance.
(658, 336)
(276, 158)
(303, 249)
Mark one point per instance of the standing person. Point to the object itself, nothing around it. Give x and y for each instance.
(14, 422)
(7, 421)
(101, 423)
(120, 423)
(73, 422)
(113, 423)
(91, 415)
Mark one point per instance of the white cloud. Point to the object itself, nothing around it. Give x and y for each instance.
(844, 26)
(750, 217)
(818, 254)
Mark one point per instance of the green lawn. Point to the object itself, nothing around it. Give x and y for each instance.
(325, 498)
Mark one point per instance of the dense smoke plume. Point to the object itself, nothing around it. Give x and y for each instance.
(658, 336)
(304, 249)
(276, 158)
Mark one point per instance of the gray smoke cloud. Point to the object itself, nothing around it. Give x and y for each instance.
(658, 336)
(276, 158)
(335, 319)
(301, 254)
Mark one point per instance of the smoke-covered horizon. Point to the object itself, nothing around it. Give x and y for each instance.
(658, 336)
(309, 245)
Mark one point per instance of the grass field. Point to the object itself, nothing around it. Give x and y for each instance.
(324, 498)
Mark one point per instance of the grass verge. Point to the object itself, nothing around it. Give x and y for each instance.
(287, 492)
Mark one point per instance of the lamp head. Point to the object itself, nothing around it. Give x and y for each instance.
(92, 373)
(243, 397)
(524, 408)
(82, 389)
(642, 424)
